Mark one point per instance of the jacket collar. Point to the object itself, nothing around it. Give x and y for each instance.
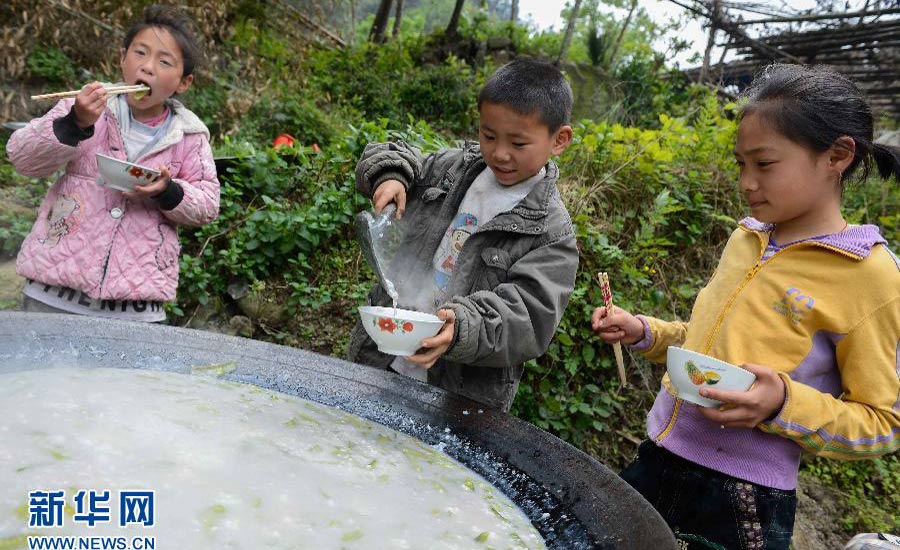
(183, 122)
(856, 241)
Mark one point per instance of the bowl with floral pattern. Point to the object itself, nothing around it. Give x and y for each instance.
(123, 175)
(398, 331)
(689, 371)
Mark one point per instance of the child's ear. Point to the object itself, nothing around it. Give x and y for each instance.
(561, 139)
(841, 154)
(184, 84)
(122, 58)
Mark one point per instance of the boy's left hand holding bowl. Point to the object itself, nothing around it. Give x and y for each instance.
(153, 188)
(747, 409)
(437, 345)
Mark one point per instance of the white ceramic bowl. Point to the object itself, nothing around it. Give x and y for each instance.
(122, 175)
(689, 371)
(398, 331)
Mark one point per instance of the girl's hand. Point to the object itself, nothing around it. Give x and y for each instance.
(747, 409)
(617, 325)
(89, 104)
(437, 345)
(390, 191)
(153, 188)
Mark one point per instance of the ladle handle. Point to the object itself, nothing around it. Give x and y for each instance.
(389, 211)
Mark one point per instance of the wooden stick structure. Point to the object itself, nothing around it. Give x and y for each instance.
(603, 279)
(110, 90)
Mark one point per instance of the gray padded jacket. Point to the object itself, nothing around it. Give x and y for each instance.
(512, 280)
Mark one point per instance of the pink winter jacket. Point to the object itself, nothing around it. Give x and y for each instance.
(90, 237)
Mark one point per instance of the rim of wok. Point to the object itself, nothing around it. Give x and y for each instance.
(573, 500)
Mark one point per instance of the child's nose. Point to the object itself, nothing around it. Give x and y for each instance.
(147, 68)
(748, 183)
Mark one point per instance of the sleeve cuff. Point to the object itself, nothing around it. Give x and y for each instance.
(644, 343)
(389, 175)
(68, 132)
(170, 197)
(780, 413)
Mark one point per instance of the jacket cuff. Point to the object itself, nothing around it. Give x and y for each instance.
(389, 175)
(171, 196)
(779, 418)
(67, 131)
(644, 343)
(458, 350)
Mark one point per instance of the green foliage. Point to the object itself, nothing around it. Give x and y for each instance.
(208, 101)
(385, 82)
(864, 482)
(51, 65)
(279, 209)
(296, 114)
(20, 197)
(598, 45)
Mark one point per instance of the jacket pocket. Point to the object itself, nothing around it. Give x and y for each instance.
(495, 264)
(433, 193)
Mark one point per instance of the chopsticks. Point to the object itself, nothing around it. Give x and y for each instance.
(603, 279)
(110, 90)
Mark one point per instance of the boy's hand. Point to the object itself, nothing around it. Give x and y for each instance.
(89, 104)
(746, 409)
(153, 188)
(437, 345)
(617, 325)
(390, 191)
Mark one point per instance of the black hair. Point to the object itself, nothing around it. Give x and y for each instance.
(814, 107)
(529, 86)
(179, 26)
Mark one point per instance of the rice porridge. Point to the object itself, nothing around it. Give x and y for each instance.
(235, 466)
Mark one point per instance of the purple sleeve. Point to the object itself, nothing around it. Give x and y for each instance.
(645, 342)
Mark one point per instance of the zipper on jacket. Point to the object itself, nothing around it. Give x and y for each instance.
(105, 267)
(121, 143)
(712, 333)
(750, 274)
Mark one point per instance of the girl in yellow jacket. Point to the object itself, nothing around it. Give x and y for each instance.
(805, 301)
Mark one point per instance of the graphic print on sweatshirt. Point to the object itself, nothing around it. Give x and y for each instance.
(464, 224)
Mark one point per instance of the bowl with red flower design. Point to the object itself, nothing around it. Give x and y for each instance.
(398, 331)
(123, 175)
(689, 371)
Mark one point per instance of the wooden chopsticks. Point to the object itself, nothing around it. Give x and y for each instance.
(606, 291)
(110, 90)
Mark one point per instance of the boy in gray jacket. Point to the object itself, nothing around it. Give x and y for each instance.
(489, 244)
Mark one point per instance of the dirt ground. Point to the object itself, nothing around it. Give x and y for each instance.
(818, 521)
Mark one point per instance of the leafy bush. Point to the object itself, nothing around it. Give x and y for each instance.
(51, 65)
(279, 208)
(384, 82)
(20, 197)
(864, 482)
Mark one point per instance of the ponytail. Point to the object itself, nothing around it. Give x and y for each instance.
(887, 159)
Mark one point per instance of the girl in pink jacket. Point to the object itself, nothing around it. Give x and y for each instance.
(97, 251)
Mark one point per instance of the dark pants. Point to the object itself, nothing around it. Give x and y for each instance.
(709, 509)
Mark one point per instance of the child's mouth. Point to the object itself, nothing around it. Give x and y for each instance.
(148, 93)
